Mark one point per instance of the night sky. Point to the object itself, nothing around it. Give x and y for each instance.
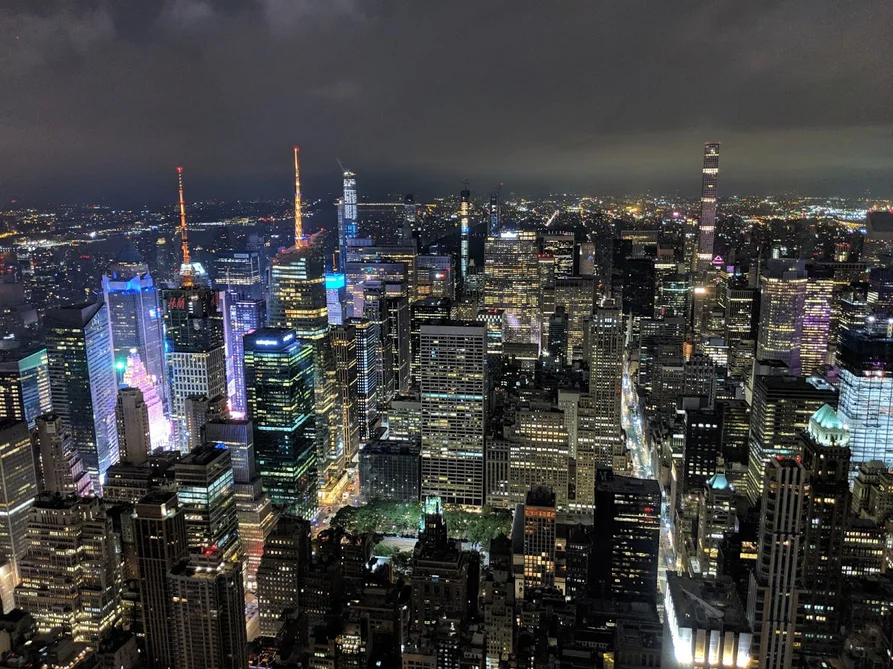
(100, 100)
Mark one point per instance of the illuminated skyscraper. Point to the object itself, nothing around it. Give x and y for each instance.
(348, 225)
(344, 346)
(207, 495)
(160, 534)
(396, 303)
(84, 388)
(533, 536)
(195, 346)
(599, 437)
(279, 378)
(435, 276)
(782, 305)
(71, 574)
(816, 318)
(298, 301)
(495, 223)
(18, 488)
(707, 223)
(826, 456)
(866, 393)
(454, 387)
(427, 310)
(195, 351)
(511, 283)
(464, 233)
(254, 509)
(777, 581)
(366, 338)
(539, 455)
(132, 300)
(245, 315)
(25, 383)
(298, 292)
(136, 376)
(780, 410)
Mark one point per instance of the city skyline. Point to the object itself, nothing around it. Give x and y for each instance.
(796, 93)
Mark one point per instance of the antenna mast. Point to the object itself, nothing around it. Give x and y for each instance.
(186, 272)
(299, 223)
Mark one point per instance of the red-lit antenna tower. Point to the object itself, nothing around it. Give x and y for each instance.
(184, 235)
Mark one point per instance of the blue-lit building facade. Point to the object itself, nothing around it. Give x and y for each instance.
(866, 394)
(279, 374)
(84, 387)
(244, 315)
(132, 300)
(348, 225)
(25, 383)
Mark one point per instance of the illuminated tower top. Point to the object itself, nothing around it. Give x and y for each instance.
(707, 224)
(186, 272)
(299, 222)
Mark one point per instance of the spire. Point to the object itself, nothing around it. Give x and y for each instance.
(186, 272)
(299, 223)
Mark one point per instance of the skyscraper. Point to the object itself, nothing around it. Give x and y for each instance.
(781, 408)
(366, 339)
(511, 283)
(348, 225)
(206, 492)
(193, 323)
(539, 455)
(279, 384)
(344, 346)
(254, 509)
(495, 222)
(626, 537)
(71, 573)
(60, 470)
(160, 536)
(817, 306)
(208, 615)
(599, 437)
(782, 304)
(287, 557)
(195, 350)
(136, 376)
(298, 301)
(454, 388)
(132, 300)
(866, 394)
(244, 315)
(777, 581)
(84, 389)
(25, 383)
(427, 310)
(132, 420)
(533, 536)
(826, 456)
(707, 222)
(18, 488)
(464, 233)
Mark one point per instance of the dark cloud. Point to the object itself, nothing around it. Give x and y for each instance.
(102, 98)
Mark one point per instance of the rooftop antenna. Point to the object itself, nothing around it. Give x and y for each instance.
(186, 271)
(299, 222)
(343, 170)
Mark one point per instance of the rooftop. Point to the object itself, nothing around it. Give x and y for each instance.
(700, 603)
